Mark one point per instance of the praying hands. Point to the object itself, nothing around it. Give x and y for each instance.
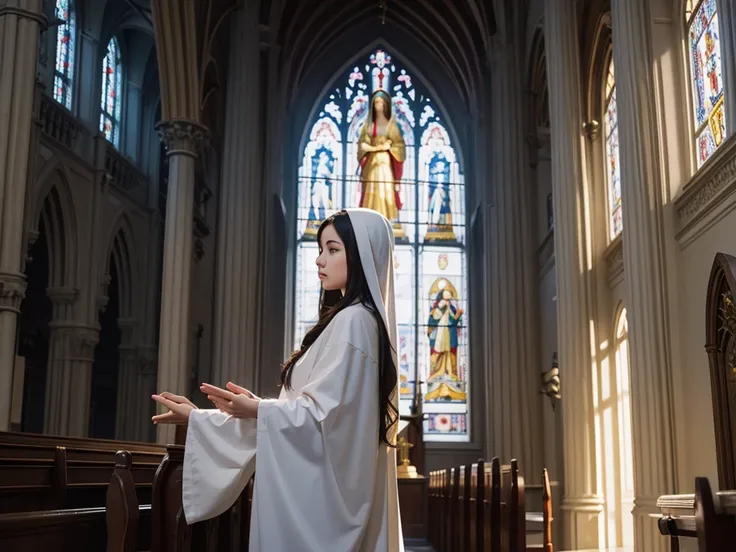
(234, 400)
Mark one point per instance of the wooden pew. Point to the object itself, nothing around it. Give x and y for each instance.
(41, 472)
(122, 514)
(481, 507)
(708, 517)
(119, 526)
(171, 533)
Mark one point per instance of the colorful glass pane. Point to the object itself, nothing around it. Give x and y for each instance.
(707, 79)
(65, 41)
(430, 249)
(112, 93)
(613, 169)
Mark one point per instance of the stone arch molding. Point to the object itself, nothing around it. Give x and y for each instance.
(54, 206)
(120, 248)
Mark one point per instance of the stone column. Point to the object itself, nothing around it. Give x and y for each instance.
(581, 502)
(147, 386)
(646, 285)
(727, 23)
(69, 369)
(183, 139)
(241, 211)
(515, 422)
(20, 24)
(128, 400)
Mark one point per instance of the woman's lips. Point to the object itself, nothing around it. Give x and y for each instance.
(322, 276)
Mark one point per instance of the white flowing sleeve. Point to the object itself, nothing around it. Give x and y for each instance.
(219, 460)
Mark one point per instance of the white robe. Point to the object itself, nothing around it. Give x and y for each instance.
(324, 482)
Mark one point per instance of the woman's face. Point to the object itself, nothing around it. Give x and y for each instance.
(332, 261)
(379, 105)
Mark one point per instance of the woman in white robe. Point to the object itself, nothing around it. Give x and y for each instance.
(326, 475)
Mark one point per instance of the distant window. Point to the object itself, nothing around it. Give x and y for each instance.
(112, 93)
(613, 168)
(65, 40)
(704, 43)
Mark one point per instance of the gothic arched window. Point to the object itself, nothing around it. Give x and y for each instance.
(613, 169)
(112, 93)
(430, 265)
(704, 52)
(65, 40)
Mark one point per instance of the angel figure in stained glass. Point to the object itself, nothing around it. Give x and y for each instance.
(442, 329)
(381, 156)
(321, 193)
(440, 212)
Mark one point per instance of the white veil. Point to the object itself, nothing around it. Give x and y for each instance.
(375, 237)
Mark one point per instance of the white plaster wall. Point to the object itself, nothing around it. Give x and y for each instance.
(696, 433)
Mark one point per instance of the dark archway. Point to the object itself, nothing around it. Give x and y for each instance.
(33, 334)
(106, 365)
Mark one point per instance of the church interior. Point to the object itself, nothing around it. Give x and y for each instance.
(563, 207)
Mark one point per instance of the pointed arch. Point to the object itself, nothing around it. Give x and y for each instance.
(327, 82)
(616, 435)
(121, 251)
(601, 108)
(537, 80)
(430, 228)
(55, 210)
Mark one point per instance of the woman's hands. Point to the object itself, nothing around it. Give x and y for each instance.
(179, 408)
(234, 400)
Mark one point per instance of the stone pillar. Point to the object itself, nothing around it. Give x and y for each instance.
(69, 370)
(89, 73)
(241, 211)
(183, 139)
(20, 24)
(727, 23)
(146, 387)
(515, 422)
(646, 285)
(581, 502)
(128, 400)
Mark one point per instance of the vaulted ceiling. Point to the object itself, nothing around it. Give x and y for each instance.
(455, 33)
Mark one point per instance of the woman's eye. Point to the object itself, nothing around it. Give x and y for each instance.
(333, 250)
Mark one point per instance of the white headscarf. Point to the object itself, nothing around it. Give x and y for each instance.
(375, 238)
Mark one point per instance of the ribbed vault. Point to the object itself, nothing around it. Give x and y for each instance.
(456, 34)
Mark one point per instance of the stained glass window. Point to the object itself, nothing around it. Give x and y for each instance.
(613, 170)
(65, 40)
(704, 46)
(112, 93)
(425, 199)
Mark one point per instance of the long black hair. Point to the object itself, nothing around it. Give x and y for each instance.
(331, 302)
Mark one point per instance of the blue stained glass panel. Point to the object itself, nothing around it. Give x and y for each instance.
(613, 169)
(111, 100)
(65, 43)
(707, 79)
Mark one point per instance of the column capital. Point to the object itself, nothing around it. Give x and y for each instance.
(182, 136)
(12, 291)
(62, 295)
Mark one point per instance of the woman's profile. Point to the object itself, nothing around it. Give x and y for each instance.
(326, 474)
